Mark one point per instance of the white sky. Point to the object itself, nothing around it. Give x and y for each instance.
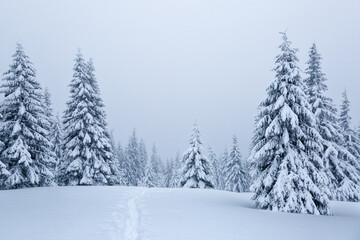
(163, 64)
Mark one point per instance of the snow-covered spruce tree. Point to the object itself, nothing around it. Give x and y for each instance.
(235, 171)
(143, 159)
(131, 163)
(105, 144)
(87, 153)
(216, 170)
(48, 107)
(176, 173)
(56, 136)
(26, 149)
(196, 170)
(158, 168)
(47, 123)
(351, 141)
(222, 166)
(120, 156)
(169, 172)
(4, 173)
(150, 178)
(340, 164)
(286, 145)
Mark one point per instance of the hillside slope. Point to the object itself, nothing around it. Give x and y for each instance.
(130, 213)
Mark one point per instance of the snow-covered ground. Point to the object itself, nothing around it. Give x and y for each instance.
(131, 213)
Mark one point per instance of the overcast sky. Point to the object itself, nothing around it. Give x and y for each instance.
(161, 65)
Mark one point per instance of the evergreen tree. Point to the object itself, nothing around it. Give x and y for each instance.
(196, 171)
(222, 166)
(176, 173)
(48, 107)
(132, 163)
(120, 156)
(26, 148)
(151, 177)
(56, 136)
(47, 123)
(341, 171)
(4, 173)
(286, 145)
(157, 167)
(351, 141)
(215, 167)
(169, 173)
(143, 160)
(87, 153)
(235, 171)
(105, 144)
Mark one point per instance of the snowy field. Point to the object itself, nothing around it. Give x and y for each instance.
(130, 213)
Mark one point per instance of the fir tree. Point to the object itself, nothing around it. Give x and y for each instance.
(26, 148)
(120, 156)
(157, 167)
(235, 171)
(56, 136)
(351, 141)
(176, 173)
(105, 146)
(151, 177)
(131, 164)
(196, 171)
(286, 145)
(215, 167)
(222, 166)
(48, 107)
(47, 123)
(341, 171)
(169, 173)
(143, 160)
(4, 173)
(87, 153)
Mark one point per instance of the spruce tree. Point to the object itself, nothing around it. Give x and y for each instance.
(340, 164)
(47, 123)
(158, 168)
(169, 173)
(143, 159)
(215, 167)
(105, 146)
(26, 147)
(176, 173)
(235, 171)
(131, 164)
(56, 136)
(351, 141)
(48, 107)
(286, 145)
(222, 166)
(87, 153)
(151, 178)
(196, 171)
(120, 157)
(4, 173)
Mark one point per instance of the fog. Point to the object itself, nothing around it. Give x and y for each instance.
(161, 65)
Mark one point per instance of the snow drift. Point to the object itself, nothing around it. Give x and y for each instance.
(130, 213)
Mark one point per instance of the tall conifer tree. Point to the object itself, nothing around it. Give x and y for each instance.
(351, 141)
(340, 164)
(286, 144)
(26, 147)
(87, 153)
(235, 170)
(196, 171)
